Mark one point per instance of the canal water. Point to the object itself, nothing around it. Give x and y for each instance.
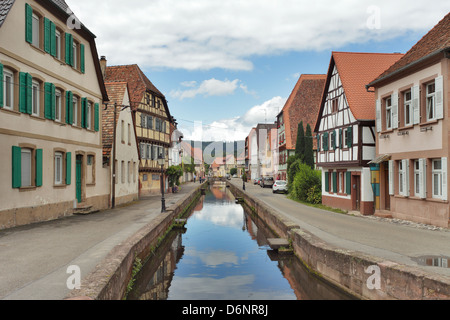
(222, 254)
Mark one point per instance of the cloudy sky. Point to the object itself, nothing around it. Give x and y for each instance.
(225, 66)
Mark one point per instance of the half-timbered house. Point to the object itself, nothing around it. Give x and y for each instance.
(412, 102)
(345, 130)
(152, 119)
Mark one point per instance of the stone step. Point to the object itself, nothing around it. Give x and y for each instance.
(84, 210)
(277, 243)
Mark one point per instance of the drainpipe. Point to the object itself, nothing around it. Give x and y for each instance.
(113, 198)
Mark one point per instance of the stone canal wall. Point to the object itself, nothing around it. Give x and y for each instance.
(110, 278)
(351, 271)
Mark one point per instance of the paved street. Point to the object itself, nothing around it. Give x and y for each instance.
(379, 237)
(34, 258)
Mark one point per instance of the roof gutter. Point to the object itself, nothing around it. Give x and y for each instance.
(446, 52)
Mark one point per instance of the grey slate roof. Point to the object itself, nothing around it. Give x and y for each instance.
(5, 6)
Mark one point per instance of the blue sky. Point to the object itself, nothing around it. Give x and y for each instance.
(229, 65)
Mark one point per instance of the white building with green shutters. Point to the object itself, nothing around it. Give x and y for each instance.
(50, 118)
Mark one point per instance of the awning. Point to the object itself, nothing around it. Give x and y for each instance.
(380, 159)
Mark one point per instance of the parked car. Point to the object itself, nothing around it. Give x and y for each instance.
(256, 180)
(266, 182)
(280, 186)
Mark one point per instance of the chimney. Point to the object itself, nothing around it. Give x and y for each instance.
(103, 65)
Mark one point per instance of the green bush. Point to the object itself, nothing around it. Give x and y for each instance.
(307, 185)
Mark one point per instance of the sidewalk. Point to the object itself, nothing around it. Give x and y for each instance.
(397, 241)
(34, 259)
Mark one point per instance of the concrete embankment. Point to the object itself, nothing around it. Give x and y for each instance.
(110, 278)
(362, 275)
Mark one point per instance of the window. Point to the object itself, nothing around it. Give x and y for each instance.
(26, 167)
(75, 55)
(129, 172)
(90, 172)
(58, 44)
(75, 110)
(58, 105)
(401, 186)
(407, 102)
(122, 131)
(36, 30)
(334, 105)
(430, 101)
(129, 134)
(122, 168)
(437, 178)
(345, 138)
(58, 168)
(8, 89)
(417, 177)
(35, 98)
(341, 182)
(388, 103)
(88, 115)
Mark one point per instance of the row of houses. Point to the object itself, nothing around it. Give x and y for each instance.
(76, 135)
(381, 130)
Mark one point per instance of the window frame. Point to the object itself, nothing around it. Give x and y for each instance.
(8, 73)
(29, 151)
(407, 104)
(75, 107)
(58, 104)
(388, 113)
(439, 173)
(59, 155)
(430, 97)
(36, 29)
(35, 98)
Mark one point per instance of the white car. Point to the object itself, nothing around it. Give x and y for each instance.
(280, 186)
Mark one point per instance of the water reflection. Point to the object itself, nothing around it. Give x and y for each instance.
(224, 255)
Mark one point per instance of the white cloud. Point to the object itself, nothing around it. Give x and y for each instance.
(204, 34)
(234, 129)
(211, 87)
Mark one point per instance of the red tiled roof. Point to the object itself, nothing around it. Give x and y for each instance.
(356, 70)
(303, 105)
(116, 92)
(138, 83)
(436, 40)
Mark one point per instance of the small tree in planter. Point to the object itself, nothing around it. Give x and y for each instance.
(174, 174)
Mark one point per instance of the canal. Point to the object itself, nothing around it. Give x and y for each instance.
(222, 254)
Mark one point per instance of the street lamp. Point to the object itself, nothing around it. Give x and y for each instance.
(161, 161)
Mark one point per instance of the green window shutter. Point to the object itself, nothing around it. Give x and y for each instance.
(52, 38)
(340, 138)
(318, 142)
(29, 92)
(69, 49)
(28, 23)
(1, 86)
(53, 101)
(68, 168)
(327, 181)
(350, 137)
(348, 182)
(334, 182)
(333, 140)
(16, 167)
(39, 153)
(97, 117)
(82, 60)
(83, 112)
(23, 92)
(47, 35)
(48, 100)
(325, 141)
(69, 109)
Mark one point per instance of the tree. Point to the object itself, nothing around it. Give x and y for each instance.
(300, 144)
(233, 171)
(309, 153)
(174, 173)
